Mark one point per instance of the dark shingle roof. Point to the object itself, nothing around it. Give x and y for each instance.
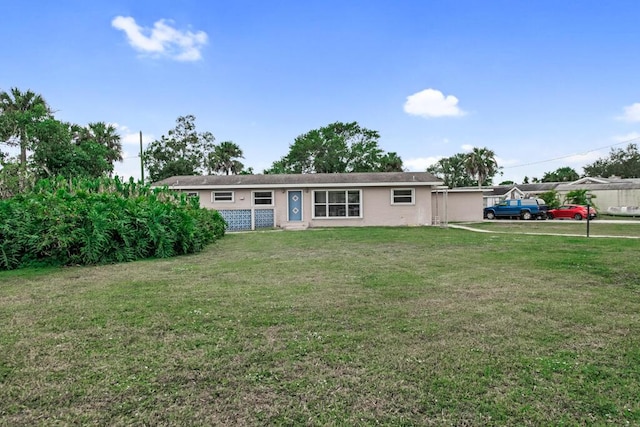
(499, 190)
(311, 180)
(541, 187)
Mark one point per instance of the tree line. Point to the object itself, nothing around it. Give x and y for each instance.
(337, 147)
(49, 147)
(479, 167)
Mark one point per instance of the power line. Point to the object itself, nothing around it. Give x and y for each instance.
(637, 138)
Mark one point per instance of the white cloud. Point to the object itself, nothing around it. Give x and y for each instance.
(420, 164)
(631, 113)
(162, 39)
(432, 103)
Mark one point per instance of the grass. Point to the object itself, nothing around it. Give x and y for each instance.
(364, 326)
(568, 227)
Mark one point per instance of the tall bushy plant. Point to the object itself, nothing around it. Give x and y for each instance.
(551, 198)
(97, 221)
(579, 197)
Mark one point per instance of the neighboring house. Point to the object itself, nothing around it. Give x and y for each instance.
(497, 193)
(298, 201)
(607, 192)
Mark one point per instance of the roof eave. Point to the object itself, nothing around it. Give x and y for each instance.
(307, 185)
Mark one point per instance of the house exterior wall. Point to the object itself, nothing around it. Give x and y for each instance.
(241, 199)
(457, 206)
(376, 207)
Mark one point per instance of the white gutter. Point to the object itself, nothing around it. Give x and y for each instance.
(314, 185)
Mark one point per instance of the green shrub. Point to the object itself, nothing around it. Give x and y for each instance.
(98, 221)
(551, 198)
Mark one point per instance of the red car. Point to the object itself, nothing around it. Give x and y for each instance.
(571, 211)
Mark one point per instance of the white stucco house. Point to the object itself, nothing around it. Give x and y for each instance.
(299, 201)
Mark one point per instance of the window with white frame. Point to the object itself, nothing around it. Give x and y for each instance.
(402, 196)
(263, 198)
(337, 204)
(222, 196)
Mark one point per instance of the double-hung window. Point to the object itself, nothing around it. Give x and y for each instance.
(337, 204)
(402, 196)
(222, 196)
(263, 198)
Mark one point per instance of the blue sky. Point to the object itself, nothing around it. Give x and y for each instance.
(544, 84)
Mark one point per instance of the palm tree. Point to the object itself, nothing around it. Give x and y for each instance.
(391, 162)
(224, 158)
(20, 111)
(481, 163)
(452, 170)
(107, 135)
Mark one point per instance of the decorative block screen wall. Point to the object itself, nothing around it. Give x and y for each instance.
(240, 219)
(237, 219)
(264, 218)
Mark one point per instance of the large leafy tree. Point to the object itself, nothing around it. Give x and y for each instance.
(224, 158)
(106, 135)
(58, 149)
(55, 148)
(20, 112)
(465, 169)
(62, 150)
(452, 171)
(624, 163)
(481, 163)
(564, 174)
(14, 177)
(183, 151)
(337, 148)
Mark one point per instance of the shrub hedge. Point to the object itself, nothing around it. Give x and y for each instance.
(98, 221)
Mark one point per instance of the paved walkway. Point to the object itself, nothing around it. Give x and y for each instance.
(479, 230)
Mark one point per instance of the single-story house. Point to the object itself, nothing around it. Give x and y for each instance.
(299, 201)
(497, 193)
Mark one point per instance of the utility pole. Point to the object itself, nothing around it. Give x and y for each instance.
(588, 212)
(141, 160)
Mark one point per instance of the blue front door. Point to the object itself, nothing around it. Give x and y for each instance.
(295, 205)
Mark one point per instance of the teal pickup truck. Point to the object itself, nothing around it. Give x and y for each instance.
(517, 208)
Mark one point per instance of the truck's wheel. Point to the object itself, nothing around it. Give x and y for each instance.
(549, 216)
(491, 215)
(526, 215)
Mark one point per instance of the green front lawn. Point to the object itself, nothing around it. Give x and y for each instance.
(396, 326)
(561, 226)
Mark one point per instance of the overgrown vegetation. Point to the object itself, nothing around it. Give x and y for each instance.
(551, 198)
(362, 326)
(67, 222)
(580, 197)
